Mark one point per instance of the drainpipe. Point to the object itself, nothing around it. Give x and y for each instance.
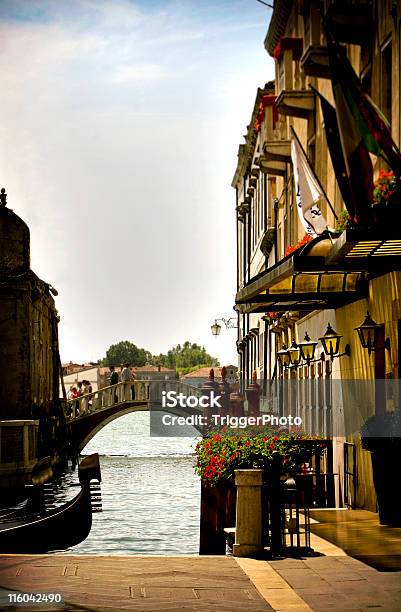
(275, 205)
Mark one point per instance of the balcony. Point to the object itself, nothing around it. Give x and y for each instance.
(292, 99)
(277, 154)
(274, 168)
(315, 62)
(296, 103)
(277, 150)
(350, 21)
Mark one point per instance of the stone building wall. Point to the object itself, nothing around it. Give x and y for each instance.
(29, 368)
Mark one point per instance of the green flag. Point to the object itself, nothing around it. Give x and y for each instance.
(369, 122)
(336, 153)
(353, 131)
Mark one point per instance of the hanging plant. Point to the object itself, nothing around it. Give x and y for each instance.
(294, 247)
(344, 221)
(277, 52)
(386, 207)
(386, 190)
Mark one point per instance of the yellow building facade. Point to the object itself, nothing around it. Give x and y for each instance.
(329, 287)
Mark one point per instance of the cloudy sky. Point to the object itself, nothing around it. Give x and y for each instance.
(120, 125)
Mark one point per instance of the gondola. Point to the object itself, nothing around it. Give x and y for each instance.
(56, 529)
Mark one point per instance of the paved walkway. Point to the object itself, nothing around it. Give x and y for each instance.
(330, 580)
(98, 583)
(360, 535)
(104, 584)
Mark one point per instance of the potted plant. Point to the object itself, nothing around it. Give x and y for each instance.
(386, 206)
(301, 243)
(381, 435)
(219, 454)
(344, 221)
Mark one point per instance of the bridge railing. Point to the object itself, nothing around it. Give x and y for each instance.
(158, 386)
(137, 390)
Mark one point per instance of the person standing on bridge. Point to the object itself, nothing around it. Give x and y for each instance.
(113, 379)
(126, 377)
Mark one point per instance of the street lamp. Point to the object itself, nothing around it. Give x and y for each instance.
(331, 343)
(283, 356)
(229, 323)
(294, 353)
(216, 329)
(370, 335)
(307, 348)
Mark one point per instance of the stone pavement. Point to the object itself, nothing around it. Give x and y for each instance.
(331, 580)
(360, 535)
(100, 583)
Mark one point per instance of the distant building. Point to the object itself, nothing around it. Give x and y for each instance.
(83, 373)
(198, 377)
(72, 368)
(152, 372)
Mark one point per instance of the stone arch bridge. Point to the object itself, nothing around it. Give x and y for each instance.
(93, 411)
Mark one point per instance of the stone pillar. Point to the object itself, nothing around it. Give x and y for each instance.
(209, 386)
(225, 389)
(253, 396)
(248, 524)
(236, 404)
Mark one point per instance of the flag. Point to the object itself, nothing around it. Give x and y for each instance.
(308, 190)
(362, 127)
(356, 155)
(336, 153)
(370, 122)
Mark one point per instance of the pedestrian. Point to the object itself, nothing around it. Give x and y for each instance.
(126, 377)
(87, 387)
(74, 399)
(113, 379)
(133, 378)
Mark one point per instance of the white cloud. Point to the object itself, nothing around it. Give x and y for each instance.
(117, 146)
(144, 72)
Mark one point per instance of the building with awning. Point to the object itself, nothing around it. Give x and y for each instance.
(291, 286)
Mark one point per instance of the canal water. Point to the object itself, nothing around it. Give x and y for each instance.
(150, 493)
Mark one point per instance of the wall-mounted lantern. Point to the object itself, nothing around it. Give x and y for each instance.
(307, 348)
(216, 329)
(294, 354)
(230, 323)
(283, 356)
(331, 344)
(370, 335)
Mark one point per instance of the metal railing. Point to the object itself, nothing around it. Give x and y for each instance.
(350, 475)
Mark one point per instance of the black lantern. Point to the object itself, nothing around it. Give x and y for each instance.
(331, 342)
(216, 329)
(370, 334)
(307, 348)
(283, 356)
(294, 353)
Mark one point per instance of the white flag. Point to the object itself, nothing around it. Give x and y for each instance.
(308, 191)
